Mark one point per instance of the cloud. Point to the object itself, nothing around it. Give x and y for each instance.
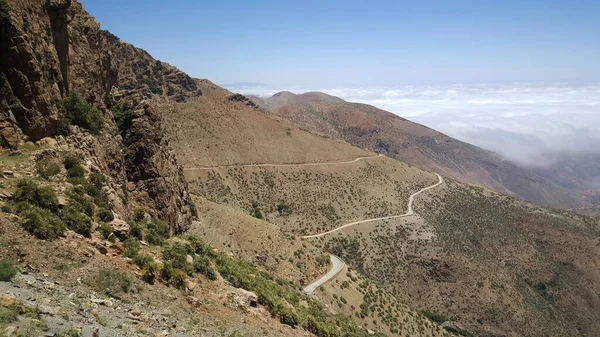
(523, 122)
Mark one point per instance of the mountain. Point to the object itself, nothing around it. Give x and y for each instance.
(283, 98)
(381, 131)
(137, 200)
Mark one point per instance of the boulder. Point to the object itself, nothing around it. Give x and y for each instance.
(120, 228)
(7, 300)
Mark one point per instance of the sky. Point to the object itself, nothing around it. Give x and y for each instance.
(519, 77)
(364, 43)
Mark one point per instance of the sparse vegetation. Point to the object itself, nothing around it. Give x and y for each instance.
(74, 110)
(111, 282)
(32, 193)
(7, 271)
(47, 169)
(40, 222)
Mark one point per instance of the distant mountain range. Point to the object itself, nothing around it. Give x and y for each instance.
(563, 185)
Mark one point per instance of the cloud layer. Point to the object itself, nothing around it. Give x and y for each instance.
(525, 122)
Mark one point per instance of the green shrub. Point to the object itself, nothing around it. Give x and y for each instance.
(151, 271)
(438, 318)
(7, 271)
(135, 230)
(323, 260)
(131, 246)
(76, 111)
(158, 232)
(81, 203)
(71, 160)
(177, 255)
(111, 282)
(141, 260)
(166, 272)
(76, 172)
(105, 215)
(179, 279)
(200, 247)
(30, 192)
(47, 169)
(76, 220)
(139, 213)
(40, 222)
(203, 266)
(9, 314)
(97, 179)
(6, 208)
(123, 114)
(106, 231)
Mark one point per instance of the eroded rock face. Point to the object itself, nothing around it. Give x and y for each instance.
(155, 178)
(53, 48)
(141, 72)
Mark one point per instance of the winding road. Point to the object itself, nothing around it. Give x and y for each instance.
(281, 165)
(409, 212)
(336, 263)
(336, 266)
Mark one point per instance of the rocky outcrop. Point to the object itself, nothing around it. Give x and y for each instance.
(155, 179)
(53, 48)
(141, 72)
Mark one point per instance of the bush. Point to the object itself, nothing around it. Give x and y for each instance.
(179, 279)
(97, 179)
(76, 220)
(200, 247)
(81, 203)
(76, 172)
(111, 282)
(105, 215)
(141, 260)
(438, 318)
(323, 260)
(123, 114)
(158, 232)
(139, 213)
(47, 170)
(151, 271)
(203, 266)
(132, 246)
(71, 161)
(177, 255)
(6, 208)
(7, 271)
(30, 192)
(76, 111)
(135, 230)
(40, 222)
(106, 231)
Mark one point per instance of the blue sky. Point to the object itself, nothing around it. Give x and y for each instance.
(364, 43)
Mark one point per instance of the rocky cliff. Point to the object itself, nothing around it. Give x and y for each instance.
(53, 48)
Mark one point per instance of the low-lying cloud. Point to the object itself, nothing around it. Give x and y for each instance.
(525, 122)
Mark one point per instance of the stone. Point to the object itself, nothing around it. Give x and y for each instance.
(189, 259)
(105, 303)
(6, 300)
(245, 299)
(120, 228)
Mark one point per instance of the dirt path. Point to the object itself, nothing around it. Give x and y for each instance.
(281, 165)
(336, 266)
(409, 212)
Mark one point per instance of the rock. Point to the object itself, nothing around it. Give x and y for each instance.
(10, 330)
(135, 313)
(189, 259)
(6, 300)
(105, 303)
(47, 142)
(8, 172)
(120, 228)
(245, 299)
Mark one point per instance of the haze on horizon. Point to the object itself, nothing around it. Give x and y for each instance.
(517, 77)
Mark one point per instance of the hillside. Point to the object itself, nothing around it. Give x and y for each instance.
(370, 128)
(100, 233)
(284, 98)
